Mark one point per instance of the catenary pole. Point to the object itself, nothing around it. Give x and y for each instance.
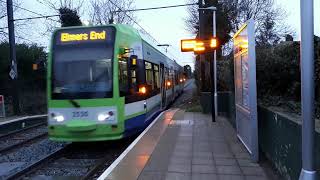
(13, 73)
(308, 171)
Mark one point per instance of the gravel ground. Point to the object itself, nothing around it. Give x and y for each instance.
(126, 143)
(81, 158)
(19, 137)
(29, 154)
(32, 152)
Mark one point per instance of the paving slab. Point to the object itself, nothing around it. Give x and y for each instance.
(178, 176)
(225, 162)
(235, 170)
(201, 176)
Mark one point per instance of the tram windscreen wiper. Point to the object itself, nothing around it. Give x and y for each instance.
(74, 103)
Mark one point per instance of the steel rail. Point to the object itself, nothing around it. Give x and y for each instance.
(95, 169)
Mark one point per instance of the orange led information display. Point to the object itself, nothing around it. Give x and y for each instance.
(198, 46)
(213, 43)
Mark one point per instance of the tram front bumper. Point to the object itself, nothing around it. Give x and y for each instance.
(84, 131)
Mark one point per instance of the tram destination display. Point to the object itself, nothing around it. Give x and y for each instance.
(84, 36)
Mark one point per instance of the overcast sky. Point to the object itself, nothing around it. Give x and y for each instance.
(166, 25)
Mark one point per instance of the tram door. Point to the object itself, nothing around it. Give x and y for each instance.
(163, 87)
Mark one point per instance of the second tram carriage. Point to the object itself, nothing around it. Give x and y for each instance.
(106, 83)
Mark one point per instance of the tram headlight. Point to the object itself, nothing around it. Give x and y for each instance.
(105, 116)
(142, 90)
(58, 117)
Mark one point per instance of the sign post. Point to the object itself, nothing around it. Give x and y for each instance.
(13, 73)
(213, 67)
(200, 46)
(2, 107)
(245, 88)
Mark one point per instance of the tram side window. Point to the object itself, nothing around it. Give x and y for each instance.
(123, 76)
(156, 77)
(149, 75)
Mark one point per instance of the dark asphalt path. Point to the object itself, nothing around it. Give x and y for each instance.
(187, 95)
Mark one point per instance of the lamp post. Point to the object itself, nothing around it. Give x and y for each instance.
(308, 171)
(214, 65)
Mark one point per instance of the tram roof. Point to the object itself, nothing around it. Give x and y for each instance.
(146, 38)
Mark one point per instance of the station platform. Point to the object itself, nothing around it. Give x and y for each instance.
(181, 145)
(12, 119)
(14, 123)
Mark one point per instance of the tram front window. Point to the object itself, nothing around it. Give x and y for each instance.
(82, 72)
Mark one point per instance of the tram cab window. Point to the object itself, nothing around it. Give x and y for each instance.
(156, 77)
(123, 76)
(149, 75)
(133, 77)
(133, 82)
(128, 84)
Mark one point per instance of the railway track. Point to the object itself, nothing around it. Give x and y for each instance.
(18, 138)
(78, 161)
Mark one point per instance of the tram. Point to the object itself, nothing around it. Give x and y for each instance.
(106, 83)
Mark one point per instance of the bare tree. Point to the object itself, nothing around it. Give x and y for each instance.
(108, 12)
(3, 10)
(3, 19)
(258, 10)
(3, 15)
(238, 12)
(57, 4)
(192, 21)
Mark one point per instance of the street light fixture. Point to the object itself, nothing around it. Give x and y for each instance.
(212, 8)
(164, 45)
